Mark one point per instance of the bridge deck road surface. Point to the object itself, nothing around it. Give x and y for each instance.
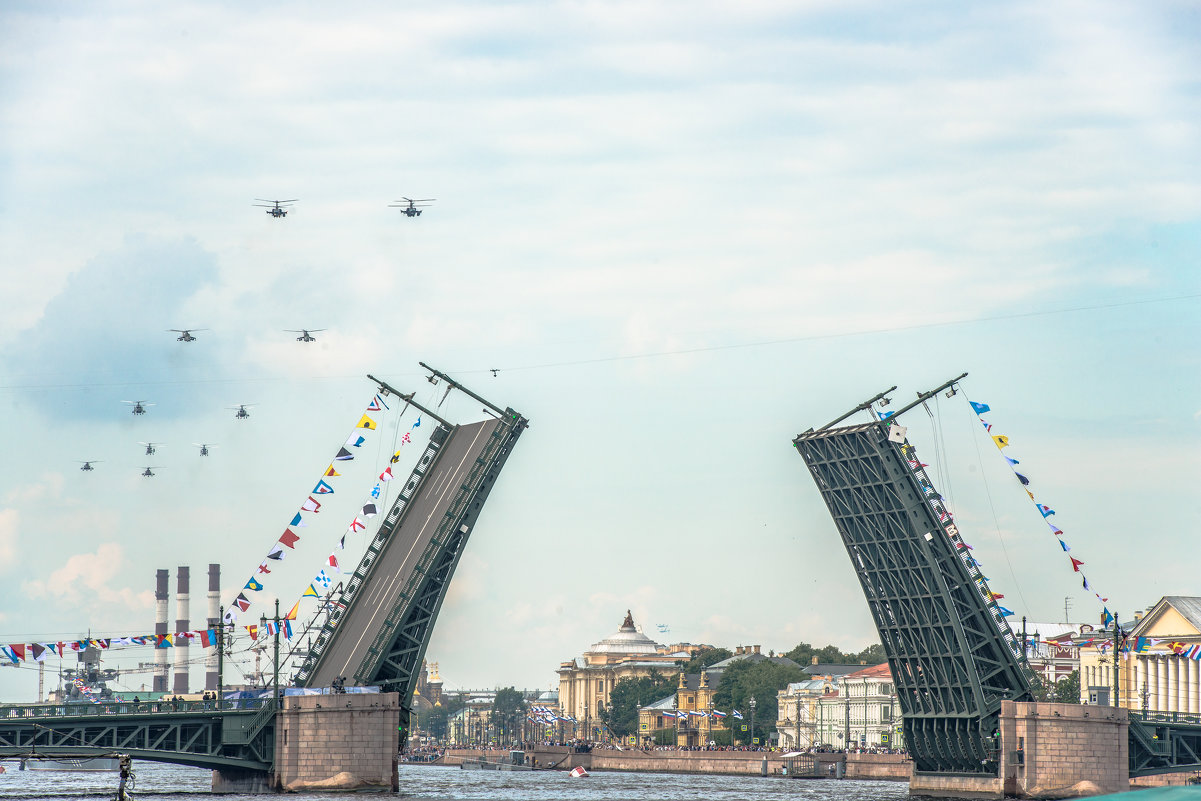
(358, 628)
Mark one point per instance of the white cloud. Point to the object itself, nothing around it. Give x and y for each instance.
(91, 578)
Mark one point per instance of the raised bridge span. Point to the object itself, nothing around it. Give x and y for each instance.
(953, 657)
(377, 636)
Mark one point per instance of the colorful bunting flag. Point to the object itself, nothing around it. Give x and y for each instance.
(370, 510)
(311, 505)
(1076, 563)
(289, 539)
(333, 562)
(386, 475)
(343, 455)
(277, 551)
(331, 472)
(375, 491)
(1045, 511)
(298, 521)
(323, 488)
(310, 593)
(242, 602)
(415, 425)
(322, 580)
(356, 441)
(1001, 440)
(293, 612)
(980, 408)
(377, 404)
(357, 524)
(253, 585)
(366, 422)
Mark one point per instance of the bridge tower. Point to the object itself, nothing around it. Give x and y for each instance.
(379, 629)
(952, 655)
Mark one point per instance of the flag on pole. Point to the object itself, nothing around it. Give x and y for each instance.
(980, 408)
(293, 612)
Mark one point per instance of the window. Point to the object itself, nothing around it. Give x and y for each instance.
(885, 713)
(600, 685)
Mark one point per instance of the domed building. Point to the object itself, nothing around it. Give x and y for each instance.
(586, 682)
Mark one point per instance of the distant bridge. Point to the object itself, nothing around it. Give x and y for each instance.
(953, 657)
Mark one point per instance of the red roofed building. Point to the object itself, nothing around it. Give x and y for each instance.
(862, 711)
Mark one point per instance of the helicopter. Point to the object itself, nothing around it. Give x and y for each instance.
(204, 448)
(149, 471)
(185, 334)
(306, 335)
(139, 407)
(150, 447)
(277, 208)
(240, 414)
(412, 208)
(87, 466)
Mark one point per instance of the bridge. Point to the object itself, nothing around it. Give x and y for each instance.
(203, 734)
(378, 636)
(954, 660)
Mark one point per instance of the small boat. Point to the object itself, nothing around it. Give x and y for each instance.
(578, 772)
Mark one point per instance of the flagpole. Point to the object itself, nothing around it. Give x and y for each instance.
(220, 654)
(276, 680)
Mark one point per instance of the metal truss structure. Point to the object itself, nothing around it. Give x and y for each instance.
(1164, 742)
(397, 642)
(184, 733)
(952, 655)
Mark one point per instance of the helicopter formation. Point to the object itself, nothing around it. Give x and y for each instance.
(151, 448)
(409, 207)
(186, 335)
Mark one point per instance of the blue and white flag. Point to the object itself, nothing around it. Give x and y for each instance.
(415, 425)
(980, 408)
(737, 714)
(322, 579)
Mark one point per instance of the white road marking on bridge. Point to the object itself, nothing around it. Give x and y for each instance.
(391, 587)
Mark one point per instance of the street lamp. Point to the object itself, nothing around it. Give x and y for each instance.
(752, 720)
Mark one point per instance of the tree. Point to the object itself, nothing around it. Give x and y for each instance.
(628, 695)
(508, 709)
(434, 720)
(1067, 689)
(803, 655)
(744, 680)
(705, 658)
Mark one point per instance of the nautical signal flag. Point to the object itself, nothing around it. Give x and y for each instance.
(1025, 481)
(242, 602)
(1076, 563)
(1046, 511)
(295, 610)
(263, 567)
(356, 525)
(343, 455)
(415, 425)
(289, 539)
(395, 457)
(356, 441)
(386, 475)
(366, 422)
(980, 408)
(311, 505)
(369, 510)
(333, 562)
(253, 585)
(375, 491)
(253, 631)
(277, 551)
(330, 471)
(377, 404)
(323, 488)
(298, 521)
(322, 579)
(1001, 440)
(310, 593)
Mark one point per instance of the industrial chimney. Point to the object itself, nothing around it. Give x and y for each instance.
(160, 628)
(210, 659)
(181, 625)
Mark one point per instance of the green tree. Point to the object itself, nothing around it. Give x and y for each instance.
(1067, 689)
(705, 658)
(630, 693)
(434, 721)
(744, 680)
(508, 710)
(803, 655)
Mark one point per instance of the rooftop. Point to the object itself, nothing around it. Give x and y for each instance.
(627, 640)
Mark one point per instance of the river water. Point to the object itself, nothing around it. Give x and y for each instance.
(163, 782)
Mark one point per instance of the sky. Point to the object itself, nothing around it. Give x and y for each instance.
(680, 233)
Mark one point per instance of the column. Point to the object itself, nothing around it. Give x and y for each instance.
(1153, 697)
(1145, 686)
(1175, 682)
(1162, 663)
(1195, 686)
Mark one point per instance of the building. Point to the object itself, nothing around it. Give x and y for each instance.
(586, 682)
(798, 703)
(1160, 671)
(860, 711)
(428, 692)
(689, 711)
(1052, 650)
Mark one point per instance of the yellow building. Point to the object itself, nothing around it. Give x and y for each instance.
(586, 682)
(1153, 675)
(689, 711)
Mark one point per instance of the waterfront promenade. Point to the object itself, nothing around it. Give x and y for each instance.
(891, 767)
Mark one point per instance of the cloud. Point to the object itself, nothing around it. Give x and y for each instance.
(10, 521)
(87, 579)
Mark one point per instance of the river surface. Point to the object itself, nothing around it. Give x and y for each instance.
(162, 782)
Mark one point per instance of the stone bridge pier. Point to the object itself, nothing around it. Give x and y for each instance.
(328, 742)
(1048, 751)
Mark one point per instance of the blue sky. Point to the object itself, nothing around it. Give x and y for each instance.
(885, 195)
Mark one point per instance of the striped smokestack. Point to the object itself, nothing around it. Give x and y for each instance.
(181, 625)
(210, 659)
(160, 628)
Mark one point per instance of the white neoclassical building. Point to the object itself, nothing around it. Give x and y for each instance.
(1160, 671)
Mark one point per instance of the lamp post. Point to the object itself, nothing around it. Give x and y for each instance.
(752, 743)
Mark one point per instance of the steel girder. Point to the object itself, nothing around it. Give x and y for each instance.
(952, 655)
(199, 739)
(1164, 742)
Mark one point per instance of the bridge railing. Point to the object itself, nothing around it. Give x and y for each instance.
(104, 708)
(1152, 716)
